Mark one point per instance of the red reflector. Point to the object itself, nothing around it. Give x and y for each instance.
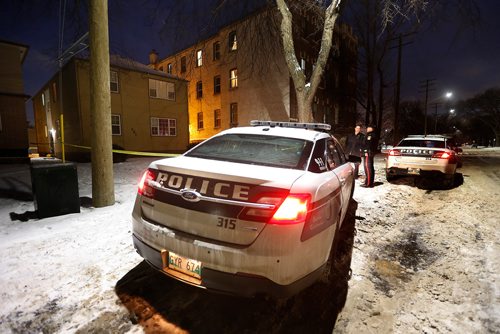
(143, 186)
(294, 209)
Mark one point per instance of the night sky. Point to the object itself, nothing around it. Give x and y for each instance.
(465, 61)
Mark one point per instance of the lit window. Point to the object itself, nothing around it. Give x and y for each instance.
(233, 43)
(199, 58)
(233, 114)
(116, 125)
(217, 121)
(217, 84)
(233, 78)
(165, 127)
(303, 64)
(200, 120)
(183, 64)
(113, 81)
(199, 90)
(161, 89)
(169, 68)
(216, 51)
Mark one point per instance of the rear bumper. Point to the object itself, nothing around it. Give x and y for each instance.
(235, 284)
(424, 170)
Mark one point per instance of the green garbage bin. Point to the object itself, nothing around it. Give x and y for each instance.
(55, 188)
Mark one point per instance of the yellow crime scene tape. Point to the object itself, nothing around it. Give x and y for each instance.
(147, 154)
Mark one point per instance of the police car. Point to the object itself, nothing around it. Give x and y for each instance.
(252, 210)
(425, 156)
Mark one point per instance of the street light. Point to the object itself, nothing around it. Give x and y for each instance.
(448, 95)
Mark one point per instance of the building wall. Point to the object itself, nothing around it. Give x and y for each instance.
(265, 90)
(132, 103)
(263, 82)
(13, 123)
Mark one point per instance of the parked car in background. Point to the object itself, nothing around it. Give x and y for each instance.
(252, 210)
(424, 156)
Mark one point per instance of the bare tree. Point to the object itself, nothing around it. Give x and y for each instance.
(305, 91)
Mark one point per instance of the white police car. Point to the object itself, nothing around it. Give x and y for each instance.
(425, 156)
(252, 210)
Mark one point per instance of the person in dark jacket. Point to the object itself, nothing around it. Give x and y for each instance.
(354, 146)
(369, 150)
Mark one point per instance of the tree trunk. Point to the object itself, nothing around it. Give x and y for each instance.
(103, 193)
(305, 91)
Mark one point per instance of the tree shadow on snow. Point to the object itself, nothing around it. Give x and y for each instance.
(160, 304)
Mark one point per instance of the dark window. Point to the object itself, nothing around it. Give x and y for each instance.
(233, 110)
(200, 121)
(217, 121)
(183, 64)
(216, 51)
(199, 90)
(217, 84)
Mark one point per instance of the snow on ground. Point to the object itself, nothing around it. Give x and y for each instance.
(52, 267)
(423, 261)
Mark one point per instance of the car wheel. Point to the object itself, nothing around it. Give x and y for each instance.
(389, 177)
(328, 270)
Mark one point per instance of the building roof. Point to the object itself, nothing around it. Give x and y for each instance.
(23, 49)
(130, 64)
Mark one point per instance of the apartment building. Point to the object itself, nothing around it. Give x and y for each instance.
(13, 122)
(240, 74)
(148, 110)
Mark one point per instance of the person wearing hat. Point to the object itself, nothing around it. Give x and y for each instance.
(369, 150)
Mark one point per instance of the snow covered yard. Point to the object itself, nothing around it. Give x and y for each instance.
(424, 260)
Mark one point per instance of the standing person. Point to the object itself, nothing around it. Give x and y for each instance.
(369, 150)
(354, 146)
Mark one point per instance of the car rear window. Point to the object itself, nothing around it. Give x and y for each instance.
(422, 143)
(256, 150)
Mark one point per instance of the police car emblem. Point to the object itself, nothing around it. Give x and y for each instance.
(190, 195)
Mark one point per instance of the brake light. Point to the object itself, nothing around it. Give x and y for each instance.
(394, 152)
(452, 157)
(143, 187)
(288, 208)
(441, 155)
(293, 210)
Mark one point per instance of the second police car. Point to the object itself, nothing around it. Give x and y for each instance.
(252, 210)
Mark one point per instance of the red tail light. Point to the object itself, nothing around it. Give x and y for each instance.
(441, 155)
(394, 152)
(288, 209)
(143, 187)
(452, 157)
(293, 210)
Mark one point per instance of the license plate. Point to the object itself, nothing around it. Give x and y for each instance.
(414, 171)
(184, 265)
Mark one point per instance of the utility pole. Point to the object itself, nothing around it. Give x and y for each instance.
(427, 85)
(436, 104)
(103, 192)
(398, 84)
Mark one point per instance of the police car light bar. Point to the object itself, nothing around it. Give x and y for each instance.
(312, 126)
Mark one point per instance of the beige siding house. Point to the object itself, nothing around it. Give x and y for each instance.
(13, 122)
(148, 110)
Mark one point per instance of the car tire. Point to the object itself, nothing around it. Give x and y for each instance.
(329, 271)
(389, 177)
